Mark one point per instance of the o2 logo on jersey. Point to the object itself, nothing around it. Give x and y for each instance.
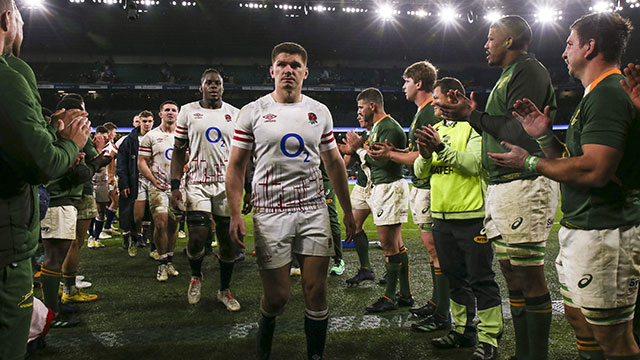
(168, 154)
(208, 134)
(299, 151)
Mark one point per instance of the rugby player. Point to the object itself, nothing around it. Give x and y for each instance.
(288, 134)
(517, 229)
(154, 163)
(419, 80)
(599, 170)
(388, 197)
(205, 127)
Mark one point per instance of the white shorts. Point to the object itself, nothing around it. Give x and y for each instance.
(101, 192)
(420, 203)
(143, 187)
(210, 198)
(59, 223)
(600, 269)
(389, 203)
(158, 200)
(359, 198)
(279, 235)
(521, 211)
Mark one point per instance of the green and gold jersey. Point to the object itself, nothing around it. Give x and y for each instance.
(423, 117)
(605, 116)
(525, 77)
(361, 176)
(386, 171)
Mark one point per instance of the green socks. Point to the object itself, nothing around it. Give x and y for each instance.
(393, 266)
(405, 285)
(361, 243)
(519, 316)
(50, 285)
(538, 314)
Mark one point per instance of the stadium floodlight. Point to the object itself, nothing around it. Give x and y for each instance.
(386, 12)
(601, 6)
(34, 4)
(548, 14)
(448, 14)
(493, 16)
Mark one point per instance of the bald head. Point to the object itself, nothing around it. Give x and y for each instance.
(517, 28)
(10, 27)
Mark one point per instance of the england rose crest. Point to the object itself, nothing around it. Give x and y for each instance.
(227, 117)
(313, 119)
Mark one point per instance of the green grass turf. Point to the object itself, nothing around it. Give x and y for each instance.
(137, 317)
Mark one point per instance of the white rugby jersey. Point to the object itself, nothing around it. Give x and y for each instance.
(159, 146)
(286, 140)
(101, 177)
(209, 133)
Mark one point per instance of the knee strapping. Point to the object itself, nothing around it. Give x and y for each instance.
(197, 256)
(316, 315)
(198, 218)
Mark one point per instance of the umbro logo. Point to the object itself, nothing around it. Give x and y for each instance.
(585, 281)
(516, 224)
(198, 115)
(269, 118)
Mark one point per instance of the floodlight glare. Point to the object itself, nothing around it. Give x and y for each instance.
(386, 12)
(34, 4)
(493, 16)
(601, 6)
(448, 14)
(546, 15)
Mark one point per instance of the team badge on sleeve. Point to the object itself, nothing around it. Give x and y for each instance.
(227, 117)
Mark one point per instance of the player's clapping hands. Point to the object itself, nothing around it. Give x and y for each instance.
(514, 159)
(459, 107)
(381, 151)
(632, 72)
(354, 141)
(427, 139)
(535, 122)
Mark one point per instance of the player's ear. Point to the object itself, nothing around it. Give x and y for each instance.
(419, 85)
(306, 72)
(271, 72)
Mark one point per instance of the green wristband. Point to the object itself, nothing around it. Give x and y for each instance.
(545, 141)
(531, 162)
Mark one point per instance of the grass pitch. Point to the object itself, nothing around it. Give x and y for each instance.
(135, 317)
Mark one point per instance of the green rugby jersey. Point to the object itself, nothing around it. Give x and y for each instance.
(525, 77)
(423, 117)
(361, 176)
(604, 116)
(386, 171)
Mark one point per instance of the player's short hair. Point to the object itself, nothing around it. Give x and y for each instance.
(101, 129)
(609, 30)
(110, 126)
(71, 101)
(371, 95)
(169, 102)
(422, 71)
(204, 73)
(516, 27)
(289, 48)
(449, 83)
(145, 113)
(6, 5)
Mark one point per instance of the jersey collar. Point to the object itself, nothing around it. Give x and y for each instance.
(597, 81)
(382, 118)
(425, 103)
